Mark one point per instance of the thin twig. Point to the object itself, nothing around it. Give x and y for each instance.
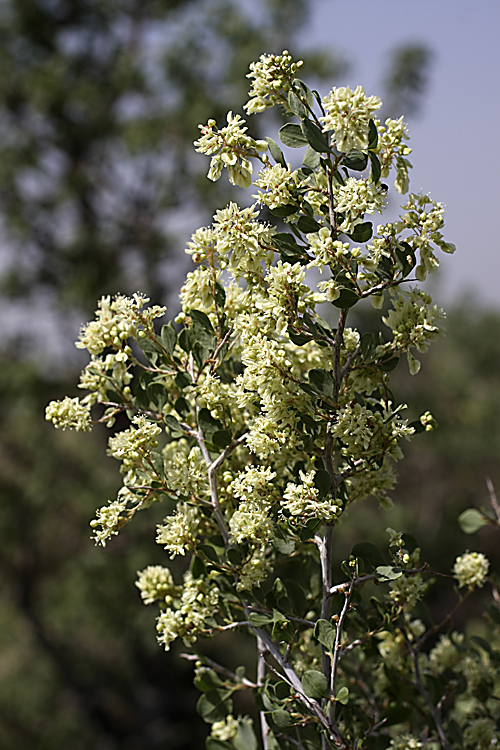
(261, 676)
(493, 498)
(337, 648)
(220, 669)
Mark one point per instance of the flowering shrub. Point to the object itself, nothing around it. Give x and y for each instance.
(261, 422)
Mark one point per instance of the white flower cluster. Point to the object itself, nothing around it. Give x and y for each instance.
(111, 518)
(392, 151)
(251, 520)
(132, 446)
(424, 218)
(445, 654)
(348, 114)
(413, 320)
(97, 374)
(326, 251)
(366, 434)
(287, 295)
(156, 584)
(279, 184)
(405, 742)
(230, 148)
(267, 376)
(273, 75)
(189, 615)
(185, 468)
(70, 413)
(178, 532)
(356, 198)
(255, 570)
(302, 500)
(224, 730)
(237, 240)
(471, 570)
(407, 590)
(216, 396)
(117, 320)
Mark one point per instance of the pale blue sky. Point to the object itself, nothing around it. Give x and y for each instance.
(456, 138)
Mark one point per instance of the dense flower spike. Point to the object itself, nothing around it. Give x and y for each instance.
(261, 416)
(273, 76)
(348, 115)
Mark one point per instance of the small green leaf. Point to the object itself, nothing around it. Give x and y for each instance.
(276, 152)
(202, 320)
(315, 684)
(286, 241)
(214, 706)
(347, 298)
(296, 105)
(172, 424)
(376, 170)
(406, 258)
(388, 364)
(198, 568)
(387, 573)
(306, 224)
(314, 136)
(322, 381)
(368, 346)
(356, 160)
(221, 438)
(284, 546)
(471, 520)
(168, 337)
(369, 553)
(303, 91)
(372, 135)
(182, 407)
(292, 136)
(281, 718)
(343, 696)
(186, 339)
(207, 424)
(323, 483)
(220, 295)
(206, 679)
(311, 158)
(245, 737)
(182, 380)
(259, 620)
(299, 339)
(283, 211)
(209, 552)
(361, 232)
(234, 556)
(325, 633)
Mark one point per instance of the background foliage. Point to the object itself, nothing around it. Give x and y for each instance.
(98, 108)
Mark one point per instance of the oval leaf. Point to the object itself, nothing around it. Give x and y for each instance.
(314, 136)
(315, 684)
(325, 633)
(471, 520)
(361, 232)
(347, 298)
(291, 135)
(369, 553)
(213, 706)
